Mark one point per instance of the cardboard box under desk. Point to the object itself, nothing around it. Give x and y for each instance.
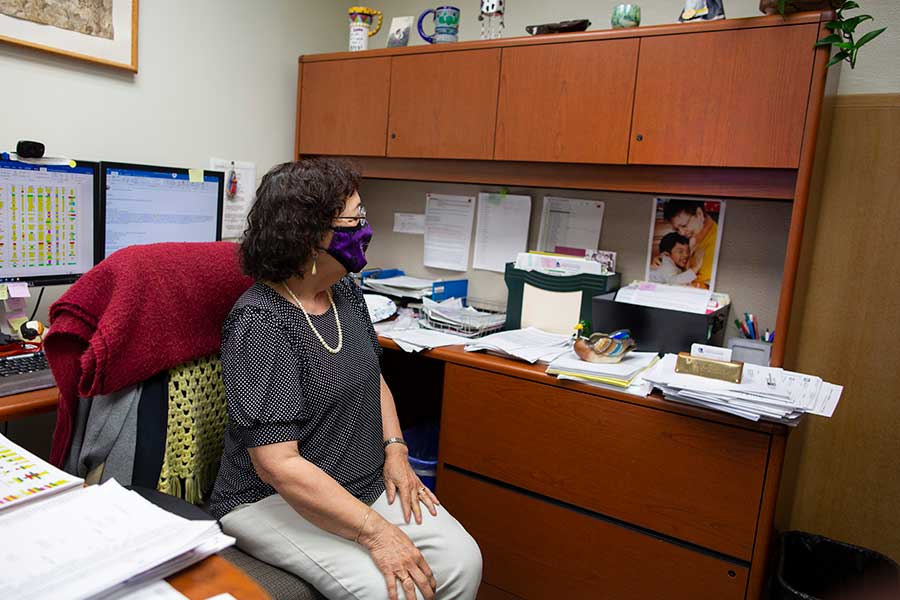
(659, 329)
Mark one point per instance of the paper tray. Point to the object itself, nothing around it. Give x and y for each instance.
(659, 329)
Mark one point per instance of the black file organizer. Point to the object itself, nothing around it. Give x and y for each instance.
(590, 285)
(659, 329)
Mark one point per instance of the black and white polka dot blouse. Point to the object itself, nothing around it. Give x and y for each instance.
(282, 385)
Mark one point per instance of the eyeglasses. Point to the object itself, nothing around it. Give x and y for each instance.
(360, 217)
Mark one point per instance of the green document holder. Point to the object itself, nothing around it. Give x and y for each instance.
(589, 285)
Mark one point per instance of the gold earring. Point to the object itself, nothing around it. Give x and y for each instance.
(314, 269)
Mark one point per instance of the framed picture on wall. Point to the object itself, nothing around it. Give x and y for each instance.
(100, 31)
(685, 239)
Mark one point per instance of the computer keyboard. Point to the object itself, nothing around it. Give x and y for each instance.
(23, 373)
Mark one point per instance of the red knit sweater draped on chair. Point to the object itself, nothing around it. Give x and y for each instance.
(143, 310)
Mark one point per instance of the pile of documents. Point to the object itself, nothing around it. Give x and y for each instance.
(765, 393)
(559, 264)
(672, 297)
(451, 316)
(417, 339)
(97, 540)
(531, 345)
(623, 376)
(401, 286)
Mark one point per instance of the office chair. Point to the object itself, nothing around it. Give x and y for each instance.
(178, 473)
(117, 332)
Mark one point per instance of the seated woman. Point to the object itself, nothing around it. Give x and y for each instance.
(314, 462)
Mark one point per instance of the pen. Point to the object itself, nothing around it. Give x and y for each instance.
(755, 327)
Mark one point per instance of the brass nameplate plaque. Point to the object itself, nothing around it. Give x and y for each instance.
(707, 367)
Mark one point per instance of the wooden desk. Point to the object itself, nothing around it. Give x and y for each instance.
(213, 576)
(29, 403)
(572, 490)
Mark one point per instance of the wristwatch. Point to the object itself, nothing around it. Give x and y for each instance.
(394, 440)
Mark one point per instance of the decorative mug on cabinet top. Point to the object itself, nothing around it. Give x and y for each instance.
(361, 20)
(626, 15)
(446, 25)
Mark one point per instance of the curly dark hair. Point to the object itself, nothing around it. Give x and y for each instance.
(294, 208)
(669, 241)
(673, 207)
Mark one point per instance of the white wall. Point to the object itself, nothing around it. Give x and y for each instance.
(877, 70)
(215, 78)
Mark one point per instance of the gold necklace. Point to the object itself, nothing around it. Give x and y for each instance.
(337, 320)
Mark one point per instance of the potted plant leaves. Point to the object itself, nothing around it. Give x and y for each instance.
(842, 28)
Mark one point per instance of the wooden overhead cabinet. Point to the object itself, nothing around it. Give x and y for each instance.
(444, 104)
(343, 107)
(567, 102)
(723, 98)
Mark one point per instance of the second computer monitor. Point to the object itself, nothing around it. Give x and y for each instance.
(141, 204)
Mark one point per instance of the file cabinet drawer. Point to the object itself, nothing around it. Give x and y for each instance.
(692, 479)
(535, 549)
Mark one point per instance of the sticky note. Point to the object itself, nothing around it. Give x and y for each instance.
(195, 175)
(19, 289)
(14, 304)
(15, 321)
(4, 291)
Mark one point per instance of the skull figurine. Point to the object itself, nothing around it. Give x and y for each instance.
(491, 18)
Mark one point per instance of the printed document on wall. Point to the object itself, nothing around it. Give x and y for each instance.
(240, 193)
(570, 223)
(448, 231)
(502, 230)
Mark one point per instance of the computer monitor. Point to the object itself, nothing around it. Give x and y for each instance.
(47, 218)
(140, 204)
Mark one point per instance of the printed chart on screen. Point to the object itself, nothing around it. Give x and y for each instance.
(46, 222)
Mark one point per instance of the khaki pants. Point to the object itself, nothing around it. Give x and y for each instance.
(272, 531)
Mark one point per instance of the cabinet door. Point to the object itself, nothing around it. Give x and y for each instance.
(533, 548)
(344, 107)
(723, 99)
(444, 104)
(567, 102)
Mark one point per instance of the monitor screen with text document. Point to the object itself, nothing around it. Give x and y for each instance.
(47, 221)
(141, 204)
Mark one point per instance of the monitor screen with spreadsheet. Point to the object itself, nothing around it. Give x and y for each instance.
(47, 216)
(141, 204)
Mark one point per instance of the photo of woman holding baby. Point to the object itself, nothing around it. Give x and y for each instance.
(685, 237)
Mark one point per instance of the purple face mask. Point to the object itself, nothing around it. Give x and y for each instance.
(348, 246)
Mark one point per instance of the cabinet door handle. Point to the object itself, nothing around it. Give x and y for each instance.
(639, 137)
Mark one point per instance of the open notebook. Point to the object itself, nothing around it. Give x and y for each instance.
(73, 542)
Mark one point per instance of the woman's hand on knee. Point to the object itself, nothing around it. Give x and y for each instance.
(400, 480)
(398, 559)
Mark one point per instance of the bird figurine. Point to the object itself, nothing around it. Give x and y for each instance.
(603, 347)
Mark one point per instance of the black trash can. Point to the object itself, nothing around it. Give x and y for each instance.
(813, 567)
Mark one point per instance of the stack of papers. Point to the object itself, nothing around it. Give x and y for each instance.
(624, 375)
(400, 286)
(672, 297)
(418, 339)
(451, 316)
(765, 393)
(559, 264)
(102, 539)
(531, 345)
